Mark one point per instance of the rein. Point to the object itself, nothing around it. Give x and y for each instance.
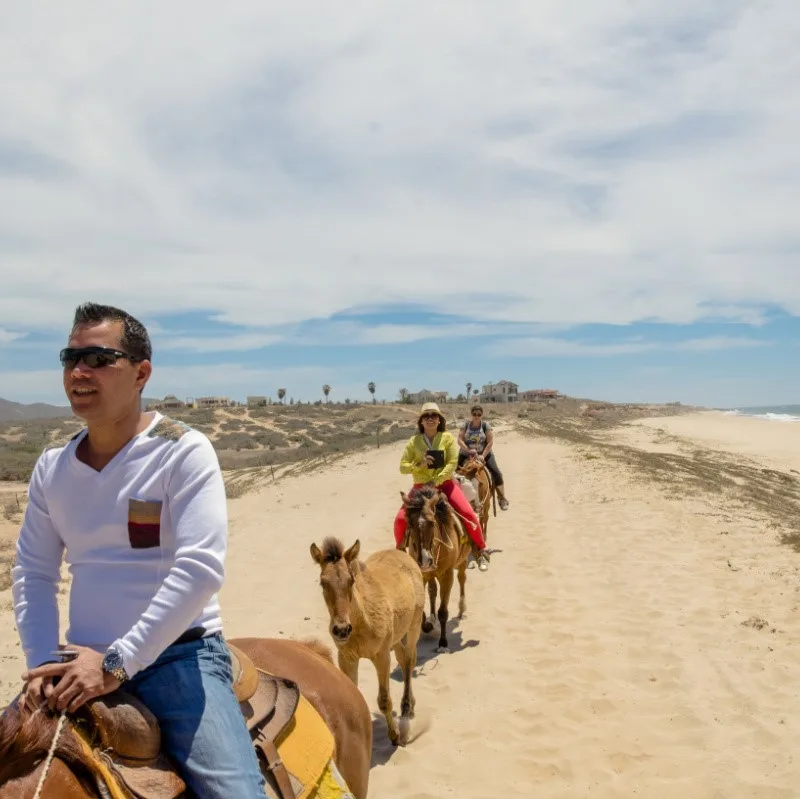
(50, 754)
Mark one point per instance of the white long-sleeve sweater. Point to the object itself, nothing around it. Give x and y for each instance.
(145, 540)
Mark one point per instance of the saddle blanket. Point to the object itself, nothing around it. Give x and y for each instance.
(307, 750)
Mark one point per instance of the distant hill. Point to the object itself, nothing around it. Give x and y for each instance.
(16, 411)
(19, 412)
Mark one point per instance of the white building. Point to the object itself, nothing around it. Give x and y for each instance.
(504, 391)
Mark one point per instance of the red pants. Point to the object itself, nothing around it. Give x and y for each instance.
(455, 496)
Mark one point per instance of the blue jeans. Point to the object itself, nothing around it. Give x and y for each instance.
(188, 689)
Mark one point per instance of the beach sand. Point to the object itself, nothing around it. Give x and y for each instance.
(628, 640)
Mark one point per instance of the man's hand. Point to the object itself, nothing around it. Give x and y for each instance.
(37, 691)
(79, 681)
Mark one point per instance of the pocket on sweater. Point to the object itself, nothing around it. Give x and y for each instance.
(144, 523)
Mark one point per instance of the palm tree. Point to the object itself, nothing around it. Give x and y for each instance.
(281, 394)
(469, 391)
(326, 389)
(371, 388)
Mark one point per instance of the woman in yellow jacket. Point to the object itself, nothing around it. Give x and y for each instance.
(415, 461)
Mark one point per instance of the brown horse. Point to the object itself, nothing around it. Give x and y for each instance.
(476, 471)
(432, 527)
(25, 736)
(375, 606)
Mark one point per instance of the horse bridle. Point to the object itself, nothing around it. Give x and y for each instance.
(437, 541)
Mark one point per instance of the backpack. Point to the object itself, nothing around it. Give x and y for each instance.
(483, 426)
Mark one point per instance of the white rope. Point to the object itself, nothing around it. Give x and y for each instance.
(49, 759)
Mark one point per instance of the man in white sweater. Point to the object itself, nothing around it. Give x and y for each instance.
(135, 503)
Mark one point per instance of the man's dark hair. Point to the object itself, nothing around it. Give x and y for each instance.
(135, 339)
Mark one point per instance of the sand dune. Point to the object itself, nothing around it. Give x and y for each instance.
(625, 641)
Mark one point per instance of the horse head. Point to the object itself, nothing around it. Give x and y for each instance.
(471, 468)
(25, 739)
(427, 513)
(338, 570)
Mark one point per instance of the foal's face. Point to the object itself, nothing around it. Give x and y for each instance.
(337, 583)
(337, 579)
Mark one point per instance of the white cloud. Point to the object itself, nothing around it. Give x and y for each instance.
(720, 343)
(563, 162)
(7, 336)
(532, 347)
(219, 343)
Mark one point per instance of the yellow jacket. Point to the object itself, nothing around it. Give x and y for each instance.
(413, 459)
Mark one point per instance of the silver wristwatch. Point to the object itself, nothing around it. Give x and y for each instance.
(112, 663)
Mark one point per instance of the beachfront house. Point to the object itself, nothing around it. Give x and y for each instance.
(169, 403)
(503, 391)
(539, 395)
(258, 402)
(428, 396)
(213, 402)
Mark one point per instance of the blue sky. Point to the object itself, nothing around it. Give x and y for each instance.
(599, 198)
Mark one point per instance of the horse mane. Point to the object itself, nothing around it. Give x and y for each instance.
(316, 646)
(26, 737)
(442, 510)
(332, 550)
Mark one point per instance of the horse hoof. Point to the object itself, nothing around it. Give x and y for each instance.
(405, 731)
(426, 626)
(443, 650)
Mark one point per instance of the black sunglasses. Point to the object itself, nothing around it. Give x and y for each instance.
(93, 357)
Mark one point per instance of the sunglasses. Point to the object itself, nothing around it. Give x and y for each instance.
(477, 415)
(430, 416)
(93, 357)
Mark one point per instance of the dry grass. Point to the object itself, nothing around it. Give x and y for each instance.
(6, 561)
(736, 480)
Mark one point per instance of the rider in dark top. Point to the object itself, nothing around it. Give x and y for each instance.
(476, 440)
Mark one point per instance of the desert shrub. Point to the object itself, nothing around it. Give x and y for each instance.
(231, 424)
(294, 424)
(269, 438)
(235, 441)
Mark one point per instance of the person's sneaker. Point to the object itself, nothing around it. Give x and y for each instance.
(503, 504)
(483, 562)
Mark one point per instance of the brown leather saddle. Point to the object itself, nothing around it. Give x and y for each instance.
(129, 738)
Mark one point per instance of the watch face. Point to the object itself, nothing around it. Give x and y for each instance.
(112, 660)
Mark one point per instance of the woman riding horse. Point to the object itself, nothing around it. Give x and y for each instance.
(477, 441)
(418, 460)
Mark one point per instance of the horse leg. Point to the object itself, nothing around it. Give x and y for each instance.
(406, 654)
(427, 624)
(462, 584)
(447, 585)
(349, 665)
(383, 663)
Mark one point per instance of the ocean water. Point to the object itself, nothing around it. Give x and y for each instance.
(775, 413)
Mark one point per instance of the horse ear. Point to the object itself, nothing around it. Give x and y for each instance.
(352, 553)
(404, 497)
(316, 554)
